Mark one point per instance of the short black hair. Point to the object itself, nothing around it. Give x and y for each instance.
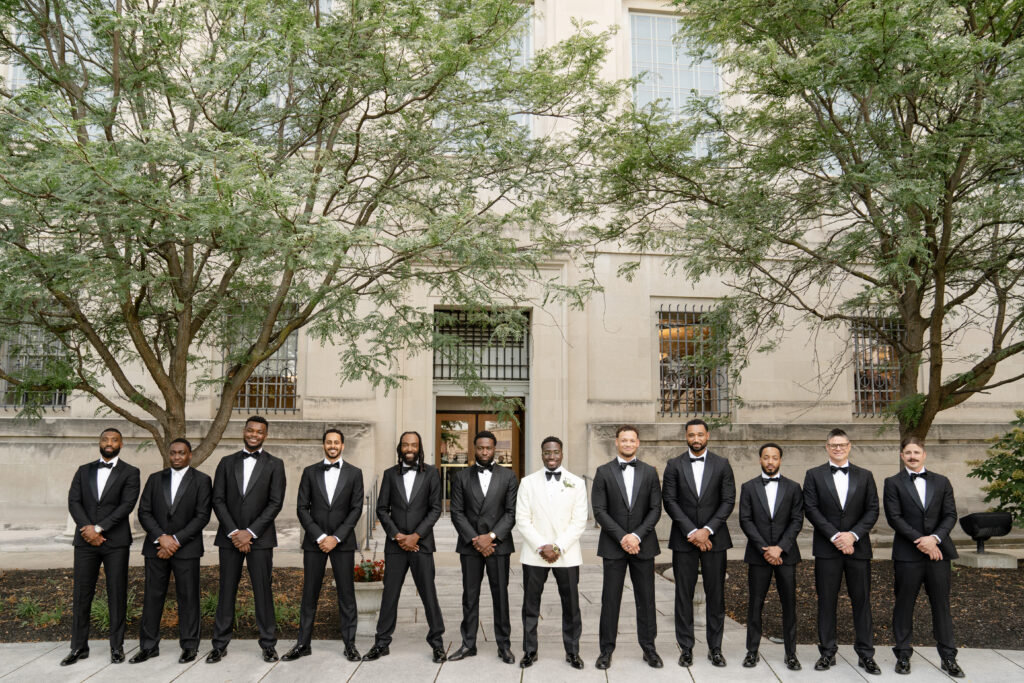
(333, 430)
(484, 434)
(837, 432)
(770, 444)
(697, 421)
(551, 439)
(112, 429)
(184, 441)
(627, 428)
(258, 418)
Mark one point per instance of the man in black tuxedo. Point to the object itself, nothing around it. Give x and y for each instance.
(102, 496)
(919, 506)
(483, 509)
(248, 493)
(330, 503)
(700, 493)
(841, 502)
(174, 508)
(408, 506)
(771, 516)
(626, 497)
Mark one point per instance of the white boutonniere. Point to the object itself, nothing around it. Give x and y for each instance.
(566, 484)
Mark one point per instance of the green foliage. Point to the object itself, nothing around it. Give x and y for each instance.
(286, 614)
(1003, 469)
(99, 612)
(208, 606)
(28, 610)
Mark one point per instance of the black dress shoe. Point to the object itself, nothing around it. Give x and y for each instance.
(437, 655)
(376, 652)
(116, 655)
(824, 662)
(952, 668)
(604, 660)
(505, 655)
(188, 656)
(74, 656)
(462, 653)
(686, 658)
(869, 665)
(216, 654)
(653, 660)
(902, 665)
(269, 654)
(143, 655)
(716, 658)
(574, 661)
(296, 652)
(750, 661)
(792, 663)
(352, 654)
(528, 659)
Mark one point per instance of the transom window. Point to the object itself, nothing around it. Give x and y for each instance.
(690, 383)
(479, 346)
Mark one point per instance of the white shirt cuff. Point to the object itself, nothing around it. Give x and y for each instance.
(710, 530)
(251, 533)
(321, 537)
(635, 536)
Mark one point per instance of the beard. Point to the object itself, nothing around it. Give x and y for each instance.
(113, 455)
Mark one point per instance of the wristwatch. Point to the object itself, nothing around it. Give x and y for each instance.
(493, 535)
(98, 528)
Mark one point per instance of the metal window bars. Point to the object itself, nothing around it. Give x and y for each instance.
(273, 385)
(29, 350)
(492, 358)
(690, 382)
(876, 382)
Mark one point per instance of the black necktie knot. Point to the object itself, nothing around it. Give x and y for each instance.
(254, 455)
(330, 466)
(485, 466)
(624, 465)
(409, 468)
(915, 475)
(107, 465)
(835, 468)
(771, 480)
(557, 476)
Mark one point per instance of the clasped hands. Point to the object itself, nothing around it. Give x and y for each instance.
(549, 553)
(242, 540)
(772, 555)
(930, 547)
(844, 542)
(91, 536)
(410, 543)
(701, 538)
(630, 543)
(167, 546)
(484, 544)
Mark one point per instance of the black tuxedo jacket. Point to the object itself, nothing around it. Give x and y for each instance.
(712, 509)
(335, 518)
(821, 505)
(911, 520)
(474, 514)
(184, 519)
(762, 529)
(417, 515)
(254, 508)
(617, 518)
(111, 510)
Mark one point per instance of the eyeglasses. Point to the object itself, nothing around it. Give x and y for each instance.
(839, 446)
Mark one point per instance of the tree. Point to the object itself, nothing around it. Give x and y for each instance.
(863, 167)
(185, 184)
(1003, 469)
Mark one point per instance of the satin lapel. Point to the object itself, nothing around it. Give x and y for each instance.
(540, 494)
(240, 473)
(91, 474)
(474, 484)
(115, 474)
(687, 467)
(709, 467)
(912, 490)
(930, 485)
(186, 482)
(830, 483)
(638, 477)
(342, 478)
(260, 467)
(417, 483)
(617, 475)
(853, 484)
(779, 495)
(762, 495)
(320, 477)
(165, 486)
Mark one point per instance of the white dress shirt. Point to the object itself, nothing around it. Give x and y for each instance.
(551, 485)
(698, 469)
(103, 473)
(919, 484)
(772, 491)
(248, 465)
(628, 474)
(331, 482)
(176, 477)
(842, 482)
(409, 478)
(485, 478)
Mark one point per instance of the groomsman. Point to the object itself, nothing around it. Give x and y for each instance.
(841, 502)
(919, 506)
(330, 503)
(102, 495)
(248, 493)
(551, 514)
(627, 505)
(408, 506)
(771, 515)
(483, 509)
(173, 510)
(700, 493)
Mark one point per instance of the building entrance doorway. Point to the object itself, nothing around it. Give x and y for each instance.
(454, 442)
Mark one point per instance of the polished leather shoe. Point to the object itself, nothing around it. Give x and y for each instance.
(604, 660)
(574, 661)
(352, 654)
(188, 656)
(686, 658)
(902, 665)
(824, 662)
(270, 654)
(716, 657)
(869, 665)
(437, 655)
(528, 659)
(116, 655)
(952, 668)
(792, 663)
(653, 660)
(74, 656)
(216, 654)
(750, 661)
(143, 655)
(296, 652)
(462, 653)
(376, 652)
(505, 655)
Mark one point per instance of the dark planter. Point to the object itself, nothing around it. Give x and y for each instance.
(982, 526)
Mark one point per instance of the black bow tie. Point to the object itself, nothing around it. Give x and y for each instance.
(254, 455)
(409, 468)
(624, 465)
(700, 459)
(489, 466)
(836, 468)
(556, 475)
(106, 465)
(772, 480)
(333, 465)
(915, 475)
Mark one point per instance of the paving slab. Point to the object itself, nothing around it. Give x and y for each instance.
(326, 663)
(1015, 656)
(244, 662)
(18, 655)
(979, 665)
(46, 667)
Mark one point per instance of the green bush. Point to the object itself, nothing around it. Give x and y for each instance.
(1003, 469)
(208, 605)
(286, 614)
(28, 610)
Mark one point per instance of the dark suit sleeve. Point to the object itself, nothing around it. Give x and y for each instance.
(653, 506)
(819, 520)
(726, 499)
(433, 501)
(129, 496)
(146, 518)
(201, 517)
(894, 510)
(867, 520)
(673, 489)
(948, 514)
(457, 507)
(303, 503)
(796, 521)
(275, 500)
(599, 501)
(384, 505)
(503, 528)
(355, 509)
(221, 479)
(75, 505)
(747, 517)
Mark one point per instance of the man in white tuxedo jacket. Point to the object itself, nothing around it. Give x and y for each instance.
(551, 515)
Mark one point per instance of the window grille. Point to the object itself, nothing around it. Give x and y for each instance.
(273, 385)
(478, 348)
(29, 351)
(876, 365)
(689, 386)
